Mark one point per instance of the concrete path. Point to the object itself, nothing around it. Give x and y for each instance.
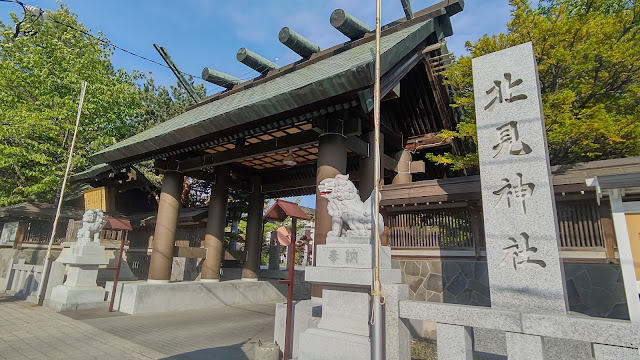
(28, 331)
(222, 332)
(31, 332)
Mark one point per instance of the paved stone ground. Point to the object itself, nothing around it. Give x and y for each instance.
(31, 332)
(223, 332)
(28, 331)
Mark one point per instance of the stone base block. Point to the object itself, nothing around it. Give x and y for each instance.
(321, 344)
(523, 346)
(351, 255)
(349, 276)
(396, 332)
(60, 307)
(332, 240)
(345, 311)
(142, 297)
(454, 342)
(84, 255)
(608, 352)
(78, 294)
(306, 315)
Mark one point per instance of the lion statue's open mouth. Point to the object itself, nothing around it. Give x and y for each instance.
(350, 215)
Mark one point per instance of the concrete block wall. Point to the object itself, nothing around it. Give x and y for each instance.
(7, 256)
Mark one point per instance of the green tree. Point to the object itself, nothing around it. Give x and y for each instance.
(160, 104)
(588, 55)
(40, 76)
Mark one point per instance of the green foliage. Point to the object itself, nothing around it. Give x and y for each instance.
(160, 104)
(588, 55)
(40, 78)
(264, 258)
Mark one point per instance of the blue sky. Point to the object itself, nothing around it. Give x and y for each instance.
(199, 33)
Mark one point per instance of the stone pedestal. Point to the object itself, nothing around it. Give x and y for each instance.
(344, 267)
(80, 291)
(274, 256)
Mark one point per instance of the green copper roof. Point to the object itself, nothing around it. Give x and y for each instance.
(90, 173)
(344, 71)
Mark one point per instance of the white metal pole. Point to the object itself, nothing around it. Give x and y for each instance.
(377, 321)
(47, 260)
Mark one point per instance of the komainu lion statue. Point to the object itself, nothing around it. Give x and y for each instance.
(92, 222)
(350, 216)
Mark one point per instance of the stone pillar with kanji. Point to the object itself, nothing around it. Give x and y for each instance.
(525, 270)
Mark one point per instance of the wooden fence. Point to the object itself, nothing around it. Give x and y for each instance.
(39, 232)
(433, 229)
(580, 224)
(114, 236)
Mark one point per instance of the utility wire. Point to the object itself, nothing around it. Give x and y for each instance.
(243, 77)
(108, 43)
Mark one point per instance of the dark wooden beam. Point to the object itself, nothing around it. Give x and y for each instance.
(393, 141)
(361, 148)
(358, 146)
(289, 142)
(427, 141)
(166, 164)
(341, 123)
(299, 183)
(289, 185)
(389, 163)
(211, 177)
(202, 175)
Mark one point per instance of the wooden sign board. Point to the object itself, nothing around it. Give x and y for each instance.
(96, 199)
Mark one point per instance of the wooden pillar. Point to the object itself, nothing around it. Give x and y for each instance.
(404, 174)
(332, 160)
(253, 242)
(216, 222)
(365, 172)
(165, 232)
(22, 229)
(607, 229)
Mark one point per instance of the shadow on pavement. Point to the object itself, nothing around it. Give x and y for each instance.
(91, 314)
(8, 298)
(231, 352)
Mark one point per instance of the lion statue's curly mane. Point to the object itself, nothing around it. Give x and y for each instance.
(350, 215)
(92, 222)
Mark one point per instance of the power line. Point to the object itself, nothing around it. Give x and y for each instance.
(108, 43)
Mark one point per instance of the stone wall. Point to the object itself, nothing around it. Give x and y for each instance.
(593, 289)
(596, 290)
(455, 282)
